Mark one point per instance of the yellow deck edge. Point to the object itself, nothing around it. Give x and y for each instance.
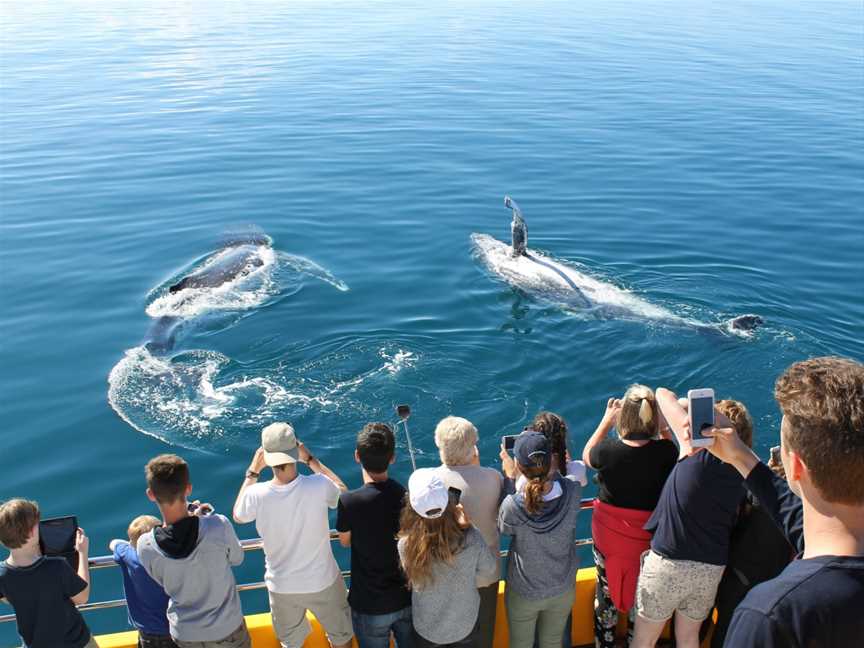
(261, 629)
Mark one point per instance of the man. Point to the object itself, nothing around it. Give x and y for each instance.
(817, 601)
(481, 489)
(290, 514)
(368, 521)
(191, 555)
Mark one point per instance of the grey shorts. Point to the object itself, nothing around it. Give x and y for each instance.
(330, 607)
(684, 586)
(238, 639)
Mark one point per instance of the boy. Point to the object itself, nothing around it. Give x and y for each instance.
(817, 600)
(291, 515)
(145, 599)
(368, 521)
(191, 556)
(43, 590)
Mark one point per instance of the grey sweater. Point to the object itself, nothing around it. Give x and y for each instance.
(204, 605)
(445, 610)
(543, 560)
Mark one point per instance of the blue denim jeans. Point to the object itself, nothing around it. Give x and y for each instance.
(373, 630)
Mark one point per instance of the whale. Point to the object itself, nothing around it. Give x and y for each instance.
(536, 274)
(237, 259)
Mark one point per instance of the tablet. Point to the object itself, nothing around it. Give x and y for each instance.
(57, 538)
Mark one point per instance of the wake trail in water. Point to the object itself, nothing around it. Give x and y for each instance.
(183, 397)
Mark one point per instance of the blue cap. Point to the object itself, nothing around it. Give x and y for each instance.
(531, 448)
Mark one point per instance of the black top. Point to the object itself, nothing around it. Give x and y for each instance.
(371, 514)
(775, 497)
(41, 596)
(632, 476)
(814, 603)
(697, 510)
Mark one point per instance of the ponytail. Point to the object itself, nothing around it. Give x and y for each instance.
(638, 417)
(537, 476)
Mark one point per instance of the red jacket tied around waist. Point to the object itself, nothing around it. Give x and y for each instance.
(619, 536)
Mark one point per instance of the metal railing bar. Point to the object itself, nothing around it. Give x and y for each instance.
(250, 544)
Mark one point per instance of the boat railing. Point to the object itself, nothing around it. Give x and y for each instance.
(250, 544)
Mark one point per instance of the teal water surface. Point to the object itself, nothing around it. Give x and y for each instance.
(707, 157)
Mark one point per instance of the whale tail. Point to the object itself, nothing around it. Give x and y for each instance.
(518, 229)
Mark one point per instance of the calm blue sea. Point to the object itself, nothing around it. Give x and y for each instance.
(707, 157)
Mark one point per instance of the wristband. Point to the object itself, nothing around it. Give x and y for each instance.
(251, 474)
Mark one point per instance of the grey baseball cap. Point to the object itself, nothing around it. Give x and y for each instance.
(279, 443)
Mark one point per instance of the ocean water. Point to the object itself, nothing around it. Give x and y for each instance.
(697, 160)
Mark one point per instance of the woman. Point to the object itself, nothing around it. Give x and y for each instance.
(442, 556)
(541, 569)
(631, 471)
(554, 428)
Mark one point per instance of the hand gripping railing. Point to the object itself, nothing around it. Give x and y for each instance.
(251, 544)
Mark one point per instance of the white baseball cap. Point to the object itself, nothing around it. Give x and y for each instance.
(427, 493)
(280, 444)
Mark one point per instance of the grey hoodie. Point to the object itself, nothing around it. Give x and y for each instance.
(204, 605)
(543, 560)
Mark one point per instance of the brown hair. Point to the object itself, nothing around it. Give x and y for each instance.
(167, 477)
(740, 417)
(822, 400)
(139, 526)
(554, 428)
(638, 416)
(427, 541)
(17, 519)
(537, 476)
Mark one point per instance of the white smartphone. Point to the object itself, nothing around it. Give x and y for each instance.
(701, 407)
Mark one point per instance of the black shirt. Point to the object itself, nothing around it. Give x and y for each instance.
(815, 603)
(41, 595)
(632, 476)
(371, 514)
(697, 510)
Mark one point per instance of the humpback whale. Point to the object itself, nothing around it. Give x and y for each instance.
(236, 260)
(537, 274)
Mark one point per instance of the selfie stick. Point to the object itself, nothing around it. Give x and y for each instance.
(410, 445)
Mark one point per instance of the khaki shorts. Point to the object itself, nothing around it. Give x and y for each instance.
(237, 639)
(666, 586)
(330, 607)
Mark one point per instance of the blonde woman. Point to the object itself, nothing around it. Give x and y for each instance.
(631, 470)
(442, 556)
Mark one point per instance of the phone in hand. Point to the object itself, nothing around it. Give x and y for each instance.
(403, 411)
(454, 495)
(57, 538)
(509, 442)
(775, 456)
(701, 408)
(206, 509)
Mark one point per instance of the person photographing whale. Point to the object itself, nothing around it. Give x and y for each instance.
(817, 600)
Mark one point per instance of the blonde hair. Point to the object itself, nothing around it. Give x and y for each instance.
(456, 438)
(638, 415)
(740, 417)
(427, 541)
(139, 526)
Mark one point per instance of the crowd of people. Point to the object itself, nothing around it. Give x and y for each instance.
(678, 532)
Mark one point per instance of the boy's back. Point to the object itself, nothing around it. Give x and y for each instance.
(820, 599)
(371, 514)
(41, 596)
(192, 561)
(146, 601)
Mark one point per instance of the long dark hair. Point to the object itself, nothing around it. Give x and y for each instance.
(554, 428)
(537, 475)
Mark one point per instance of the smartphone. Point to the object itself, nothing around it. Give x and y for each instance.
(57, 538)
(775, 456)
(455, 495)
(509, 441)
(701, 407)
(403, 411)
(192, 507)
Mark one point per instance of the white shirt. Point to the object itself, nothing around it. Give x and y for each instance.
(575, 472)
(292, 521)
